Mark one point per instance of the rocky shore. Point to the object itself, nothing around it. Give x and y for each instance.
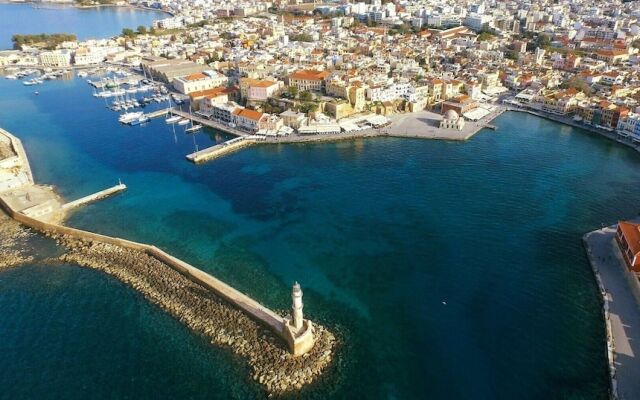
(13, 242)
(272, 365)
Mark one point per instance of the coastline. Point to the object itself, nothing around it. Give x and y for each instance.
(74, 4)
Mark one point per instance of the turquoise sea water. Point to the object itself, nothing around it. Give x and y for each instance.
(379, 233)
(91, 23)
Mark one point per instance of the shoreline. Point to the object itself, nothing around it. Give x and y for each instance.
(74, 4)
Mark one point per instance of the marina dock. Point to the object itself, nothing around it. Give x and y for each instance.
(94, 197)
(211, 124)
(133, 79)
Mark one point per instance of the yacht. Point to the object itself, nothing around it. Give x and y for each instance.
(140, 120)
(183, 121)
(129, 117)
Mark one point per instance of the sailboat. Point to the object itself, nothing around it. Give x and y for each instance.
(173, 118)
(194, 128)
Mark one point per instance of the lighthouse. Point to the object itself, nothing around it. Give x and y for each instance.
(296, 308)
(297, 331)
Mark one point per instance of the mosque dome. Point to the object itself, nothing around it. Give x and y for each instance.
(451, 115)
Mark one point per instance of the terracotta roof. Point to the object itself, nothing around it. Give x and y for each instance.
(250, 114)
(631, 233)
(195, 77)
(309, 75)
(262, 84)
(217, 91)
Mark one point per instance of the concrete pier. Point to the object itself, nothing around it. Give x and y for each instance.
(94, 197)
(221, 149)
(158, 113)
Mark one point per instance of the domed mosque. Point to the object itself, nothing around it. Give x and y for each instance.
(452, 120)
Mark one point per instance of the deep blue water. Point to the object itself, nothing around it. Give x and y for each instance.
(379, 232)
(90, 23)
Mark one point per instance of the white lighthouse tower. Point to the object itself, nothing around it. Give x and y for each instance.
(297, 331)
(296, 308)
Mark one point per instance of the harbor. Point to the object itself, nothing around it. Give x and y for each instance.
(259, 218)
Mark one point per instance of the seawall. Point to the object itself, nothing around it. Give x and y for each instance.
(278, 371)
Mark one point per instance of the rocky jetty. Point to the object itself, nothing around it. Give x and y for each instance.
(13, 242)
(272, 365)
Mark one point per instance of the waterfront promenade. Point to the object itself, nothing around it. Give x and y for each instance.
(621, 310)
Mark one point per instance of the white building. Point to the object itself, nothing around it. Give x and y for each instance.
(199, 81)
(55, 58)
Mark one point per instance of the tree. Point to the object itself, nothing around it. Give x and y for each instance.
(543, 41)
(485, 36)
(636, 44)
(512, 55)
(293, 91)
(306, 96)
(142, 29)
(576, 83)
(128, 32)
(308, 107)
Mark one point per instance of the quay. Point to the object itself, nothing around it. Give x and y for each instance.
(223, 148)
(36, 205)
(94, 197)
(410, 125)
(157, 113)
(620, 291)
(211, 123)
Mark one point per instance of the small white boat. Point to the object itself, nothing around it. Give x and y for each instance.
(183, 121)
(194, 128)
(173, 120)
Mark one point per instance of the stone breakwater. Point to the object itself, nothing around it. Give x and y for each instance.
(277, 370)
(13, 243)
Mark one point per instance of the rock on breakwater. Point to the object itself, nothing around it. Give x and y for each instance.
(13, 242)
(277, 370)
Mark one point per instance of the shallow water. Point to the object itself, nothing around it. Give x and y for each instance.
(381, 233)
(90, 23)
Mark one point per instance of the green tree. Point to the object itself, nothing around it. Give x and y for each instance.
(306, 96)
(543, 40)
(293, 91)
(576, 83)
(308, 107)
(485, 36)
(142, 29)
(128, 32)
(512, 55)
